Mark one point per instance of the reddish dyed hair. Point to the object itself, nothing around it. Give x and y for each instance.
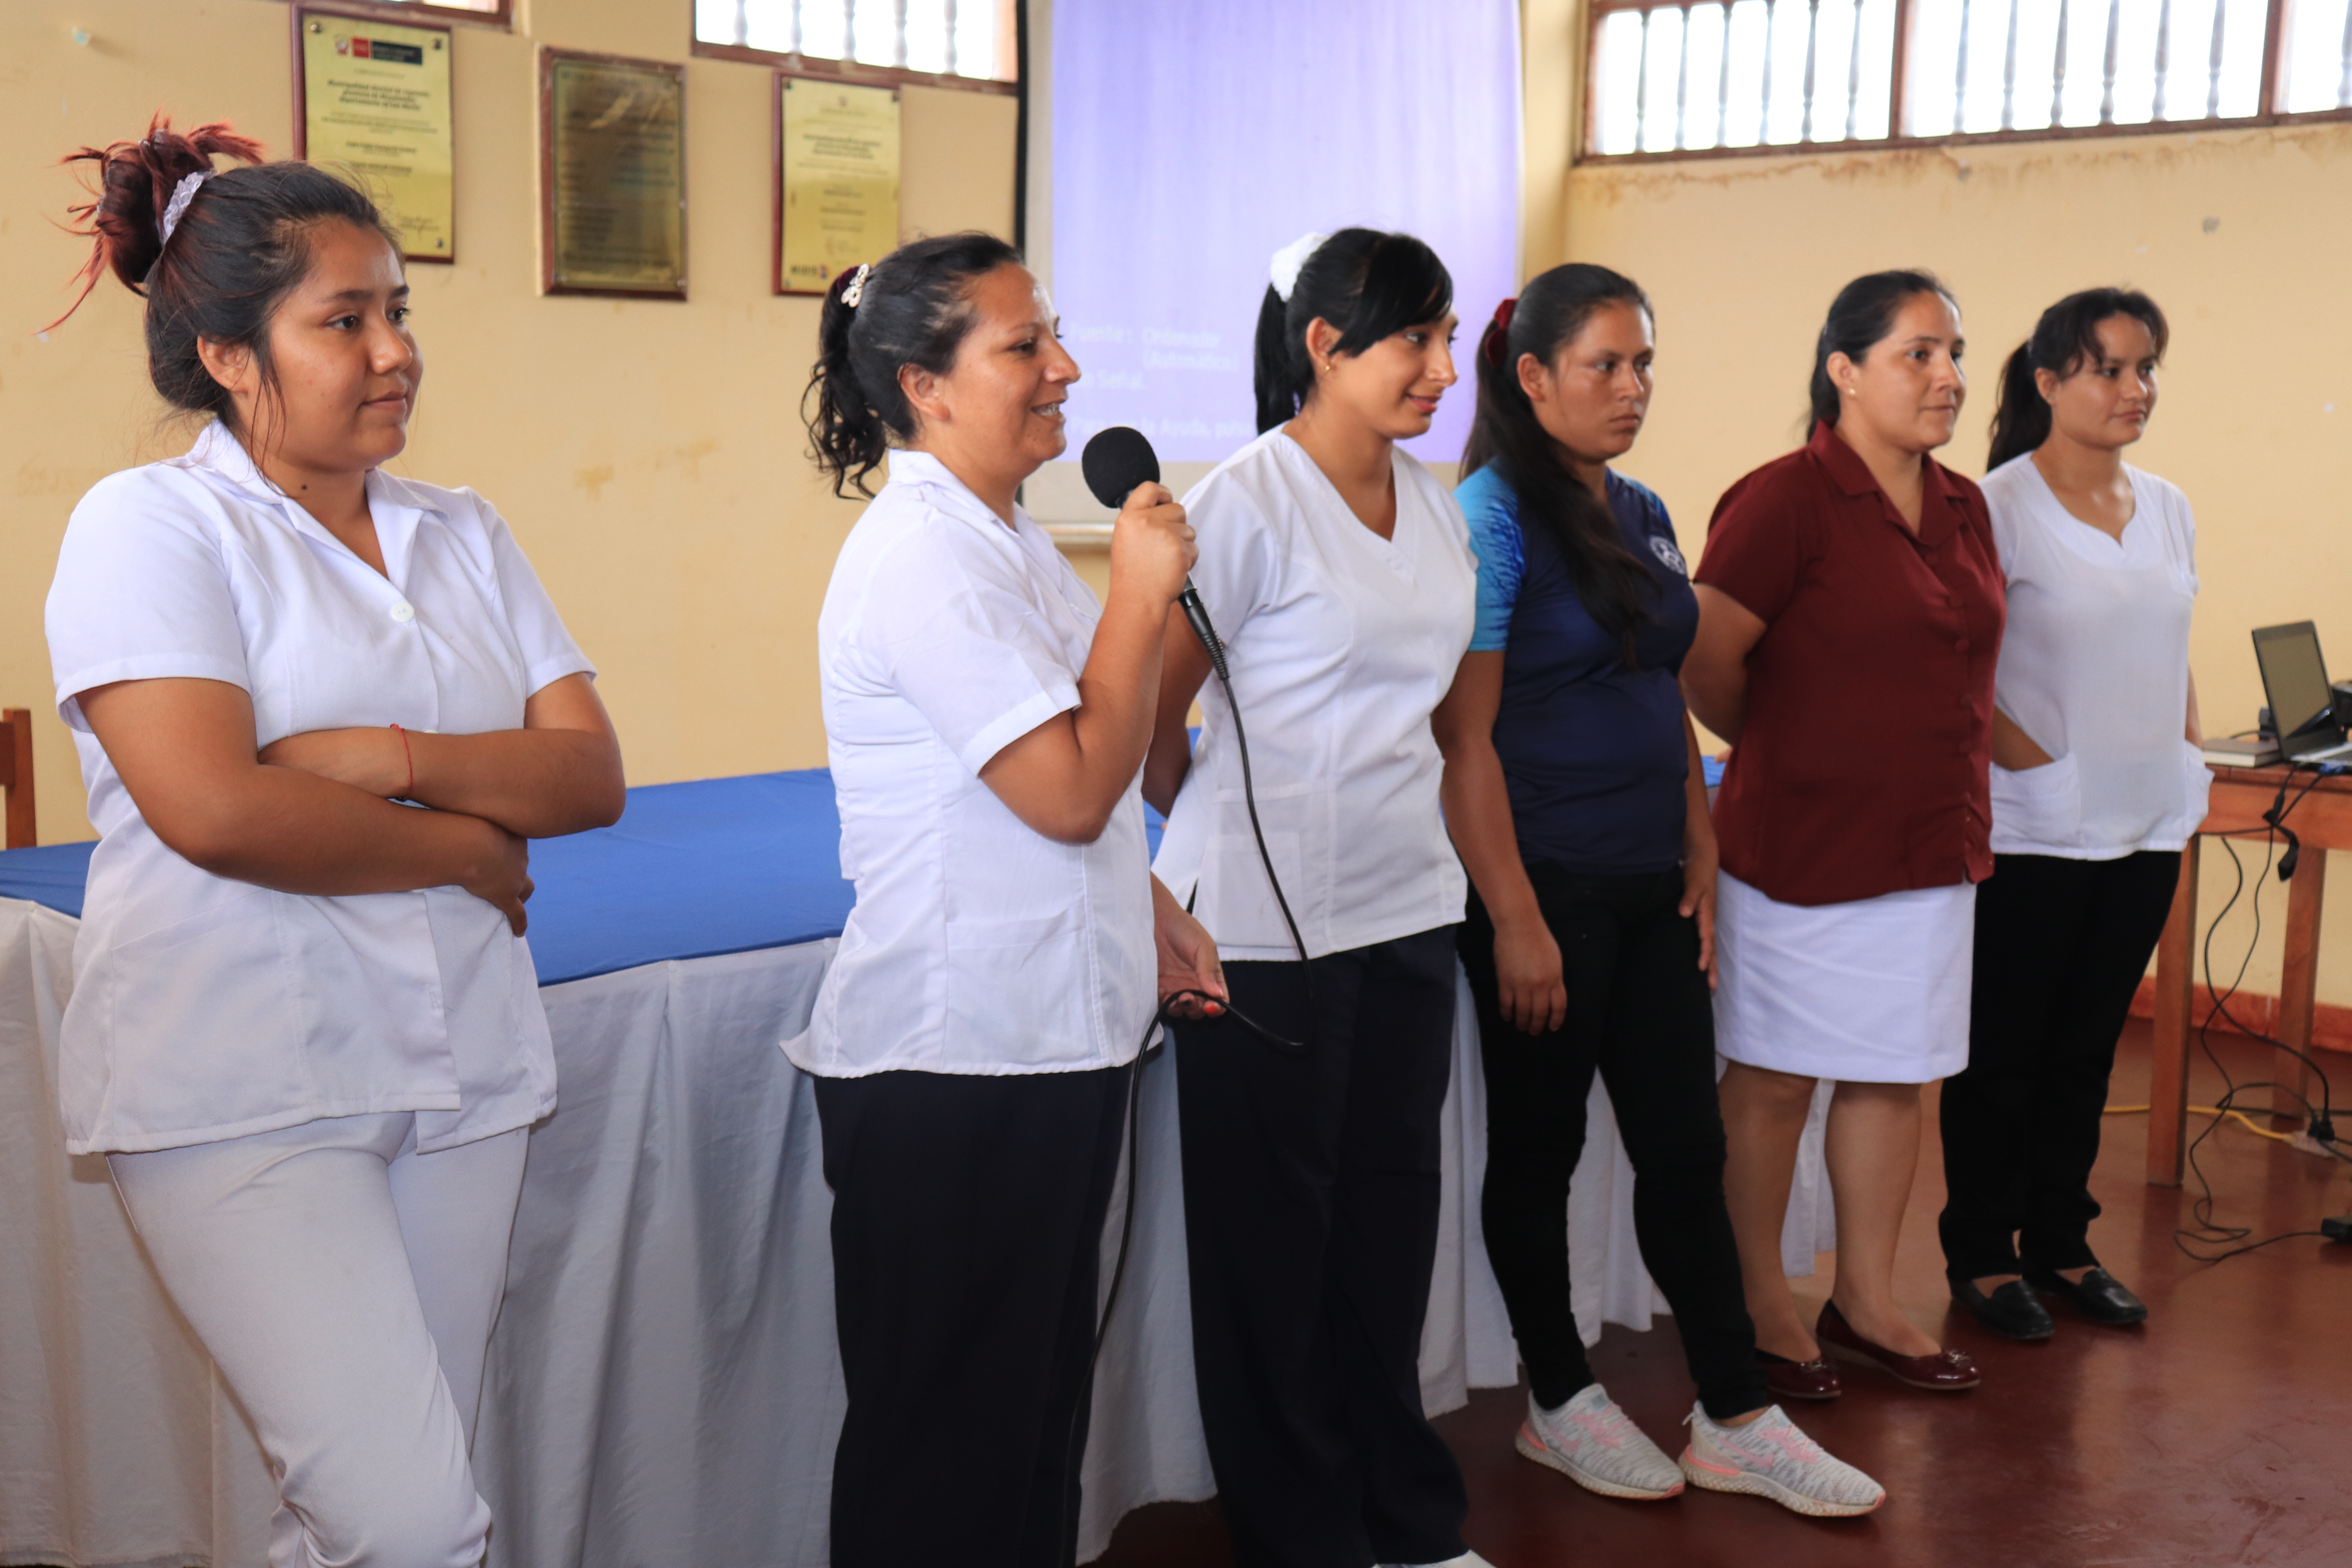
(241, 245)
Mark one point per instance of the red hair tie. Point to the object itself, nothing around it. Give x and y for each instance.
(1491, 341)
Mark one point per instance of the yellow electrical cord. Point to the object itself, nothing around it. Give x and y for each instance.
(2239, 1117)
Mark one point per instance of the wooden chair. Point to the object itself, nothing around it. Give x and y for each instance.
(16, 777)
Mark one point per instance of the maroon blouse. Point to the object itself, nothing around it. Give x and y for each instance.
(1862, 767)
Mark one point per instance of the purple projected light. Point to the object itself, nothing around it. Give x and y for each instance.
(1192, 141)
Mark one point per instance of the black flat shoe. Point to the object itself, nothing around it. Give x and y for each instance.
(2011, 1311)
(2100, 1296)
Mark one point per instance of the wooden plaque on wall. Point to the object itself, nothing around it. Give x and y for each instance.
(836, 154)
(611, 138)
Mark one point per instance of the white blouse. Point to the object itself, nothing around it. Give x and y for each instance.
(977, 945)
(205, 1008)
(2095, 667)
(1341, 644)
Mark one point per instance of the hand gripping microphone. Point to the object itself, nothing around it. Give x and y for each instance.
(1117, 460)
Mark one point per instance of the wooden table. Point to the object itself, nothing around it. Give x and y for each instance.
(2323, 821)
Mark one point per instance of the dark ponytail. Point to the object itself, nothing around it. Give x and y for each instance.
(241, 245)
(1615, 585)
(2064, 340)
(913, 307)
(1860, 318)
(1368, 284)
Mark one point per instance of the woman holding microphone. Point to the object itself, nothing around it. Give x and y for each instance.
(305, 1029)
(2098, 781)
(1850, 614)
(974, 1038)
(1339, 572)
(1574, 793)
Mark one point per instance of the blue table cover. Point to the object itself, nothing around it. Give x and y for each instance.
(690, 870)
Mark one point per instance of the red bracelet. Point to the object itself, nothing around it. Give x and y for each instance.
(410, 793)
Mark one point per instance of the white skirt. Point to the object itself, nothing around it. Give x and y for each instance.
(1875, 991)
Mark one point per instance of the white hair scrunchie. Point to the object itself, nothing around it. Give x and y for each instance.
(177, 207)
(1287, 261)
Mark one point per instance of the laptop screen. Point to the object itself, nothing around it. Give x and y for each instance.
(2295, 678)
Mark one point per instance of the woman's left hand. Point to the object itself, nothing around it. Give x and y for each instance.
(1188, 959)
(1699, 903)
(373, 759)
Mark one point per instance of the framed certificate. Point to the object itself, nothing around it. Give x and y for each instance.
(836, 179)
(372, 99)
(611, 138)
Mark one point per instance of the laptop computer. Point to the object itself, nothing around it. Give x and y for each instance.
(2302, 704)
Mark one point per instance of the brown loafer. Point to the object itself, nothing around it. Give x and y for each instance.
(1814, 1379)
(1946, 1371)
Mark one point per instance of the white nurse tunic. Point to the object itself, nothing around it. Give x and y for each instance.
(205, 1008)
(977, 945)
(1341, 644)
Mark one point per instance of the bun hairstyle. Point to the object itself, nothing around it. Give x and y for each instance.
(1860, 318)
(241, 244)
(2064, 340)
(913, 307)
(1368, 284)
(1615, 585)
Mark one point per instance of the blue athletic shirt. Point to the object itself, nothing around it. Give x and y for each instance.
(1593, 753)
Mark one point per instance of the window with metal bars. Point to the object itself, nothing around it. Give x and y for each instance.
(958, 42)
(1669, 76)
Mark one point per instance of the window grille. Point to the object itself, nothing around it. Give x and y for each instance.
(938, 37)
(1671, 76)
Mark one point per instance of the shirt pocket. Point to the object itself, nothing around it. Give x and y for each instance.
(1019, 990)
(201, 1021)
(1237, 905)
(2040, 806)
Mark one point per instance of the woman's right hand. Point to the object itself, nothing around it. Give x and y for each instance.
(1151, 547)
(1533, 995)
(500, 876)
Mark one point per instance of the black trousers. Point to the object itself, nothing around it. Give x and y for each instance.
(2061, 947)
(1310, 1215)
(1639, 1013)
(967, 1229)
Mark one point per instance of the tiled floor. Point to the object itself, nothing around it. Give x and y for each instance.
(2221, 1433)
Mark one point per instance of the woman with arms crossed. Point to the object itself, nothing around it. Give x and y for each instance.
(305, 1028)
(1574, 794)
(1339, 573)
(1850, 613)
(973, 1040)
(2098, 784)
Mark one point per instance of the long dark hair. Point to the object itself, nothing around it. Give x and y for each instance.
(241, 245)
(2064, 340)
(914, 307)
(1860, 318)
(1615, 585)
(1364, 283)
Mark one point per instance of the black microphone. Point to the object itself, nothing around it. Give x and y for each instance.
(1117, 460)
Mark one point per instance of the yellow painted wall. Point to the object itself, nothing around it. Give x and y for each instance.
(648, 454)
(2240, 235)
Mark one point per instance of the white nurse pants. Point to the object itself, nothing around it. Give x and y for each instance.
(345, 1285)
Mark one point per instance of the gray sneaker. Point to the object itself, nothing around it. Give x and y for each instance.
(1771, 1458)
(1596, 1445)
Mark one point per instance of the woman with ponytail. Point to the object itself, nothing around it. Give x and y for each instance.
(305, 1029)
(974, 1039)
(2098, 782)
(1339, 573)
(1573, 790)
(1849, 615)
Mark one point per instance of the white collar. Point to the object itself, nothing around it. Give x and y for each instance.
(950, 494)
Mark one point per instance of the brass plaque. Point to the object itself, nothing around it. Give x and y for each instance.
(614, 175)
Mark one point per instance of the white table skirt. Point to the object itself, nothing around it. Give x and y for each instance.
(662, 1384)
